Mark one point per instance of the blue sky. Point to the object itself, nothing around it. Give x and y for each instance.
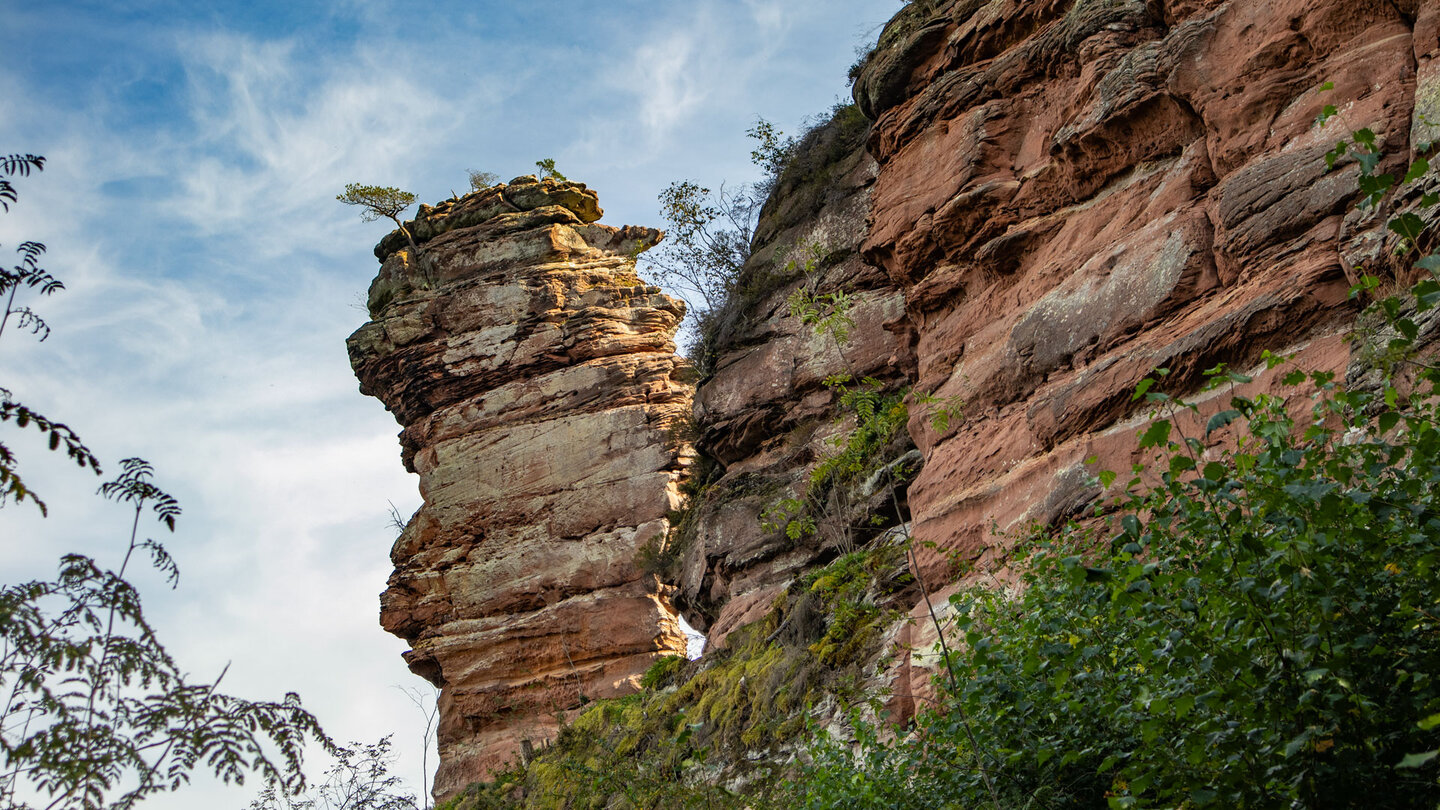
(195, 152)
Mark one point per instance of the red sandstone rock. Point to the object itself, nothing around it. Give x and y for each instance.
(536, 380)
(1058, 198)
(1072, 194)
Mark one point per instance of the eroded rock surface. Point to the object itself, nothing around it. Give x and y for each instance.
(1054, 199)
(764, 413)
(536, 380)
(1071, 194)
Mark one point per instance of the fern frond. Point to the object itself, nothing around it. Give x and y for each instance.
(21, 165)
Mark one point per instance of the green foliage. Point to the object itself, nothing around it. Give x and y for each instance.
(360, 779)
(832, 507)
(547, 169)
(380, 201)
(827, 314)
(94, 706)
(663, 672)
(1258, 633)
(812, 161)
(96, 714)
(29, 276)
(376, 201)
(15, 165)
(941, 411)
(854, 620)
(772, 152)
(26, 275)
(57, 435)
(747, 705)
(788, 516)
(708, 241)
(879, 418)
(1253, 625)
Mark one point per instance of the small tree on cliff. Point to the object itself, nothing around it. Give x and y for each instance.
(479, 181)
(547, 169)
(709, 235)
(380, 201)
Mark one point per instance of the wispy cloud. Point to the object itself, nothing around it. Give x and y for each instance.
(277, 137)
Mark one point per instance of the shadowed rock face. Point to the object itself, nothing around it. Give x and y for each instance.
(536, 380)
(1072, 193)
(765, 415)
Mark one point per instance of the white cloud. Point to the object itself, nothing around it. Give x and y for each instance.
(278, 137)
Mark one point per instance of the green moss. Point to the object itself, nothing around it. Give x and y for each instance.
(658, 748)
(662, 673)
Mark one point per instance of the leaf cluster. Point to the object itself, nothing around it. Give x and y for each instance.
(97, 714)
(94, 712)
(16, 166)
(29, 276)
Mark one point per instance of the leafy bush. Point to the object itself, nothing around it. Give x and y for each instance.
(1261, 628)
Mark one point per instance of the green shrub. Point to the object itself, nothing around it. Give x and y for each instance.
(1260, 629)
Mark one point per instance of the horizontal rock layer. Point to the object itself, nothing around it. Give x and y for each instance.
(1071, 194)
(536, 379)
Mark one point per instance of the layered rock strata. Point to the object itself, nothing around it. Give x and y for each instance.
(764, 413)
(536, 379)
(1071, 194)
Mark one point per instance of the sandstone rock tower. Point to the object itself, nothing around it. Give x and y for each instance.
(536, 379)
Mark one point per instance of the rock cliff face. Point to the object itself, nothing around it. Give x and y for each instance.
(537, 383)
(1044, 201)
(1071, 194)
(764, 414)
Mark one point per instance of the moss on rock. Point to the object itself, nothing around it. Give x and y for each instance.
(749, 706)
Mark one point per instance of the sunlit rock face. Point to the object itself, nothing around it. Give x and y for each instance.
(536, 379)
(1071, 194)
